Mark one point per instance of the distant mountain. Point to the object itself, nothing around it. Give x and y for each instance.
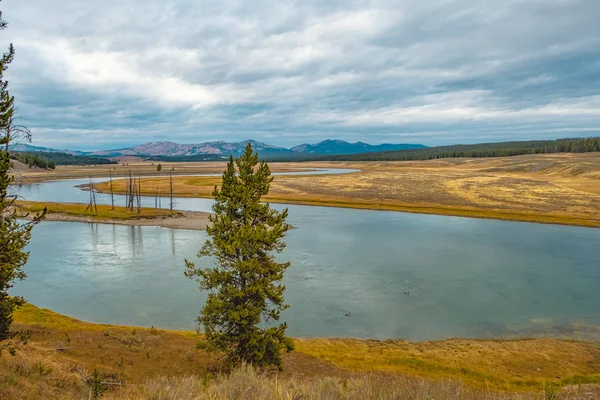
(341, 147)
(27, 148)
(171, 149)
(214, 150)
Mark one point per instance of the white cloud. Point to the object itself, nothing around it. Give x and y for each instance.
(356, 69)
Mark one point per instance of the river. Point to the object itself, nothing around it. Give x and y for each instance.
(462, 277)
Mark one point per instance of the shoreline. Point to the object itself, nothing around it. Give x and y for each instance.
(425, 209)
(499, 364)
(187, 220)
(104, 214)
(575, 208)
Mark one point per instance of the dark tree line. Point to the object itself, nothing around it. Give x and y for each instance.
(43, 159)
(503, 149)
(33, 160)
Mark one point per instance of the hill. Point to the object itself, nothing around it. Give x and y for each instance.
(54, 356)
(45, 160)
(27, 148)
(210, 151)
(341, 147)
(170, 149)
(502, 149)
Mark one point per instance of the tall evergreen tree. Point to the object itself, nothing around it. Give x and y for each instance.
(245, 296)
(14, 236)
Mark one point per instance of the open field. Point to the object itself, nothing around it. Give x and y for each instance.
(53, 355)
(137, 168)
(75, 212)
(559, 189)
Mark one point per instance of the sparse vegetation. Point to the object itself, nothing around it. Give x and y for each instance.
(318, 369)
(104, 212)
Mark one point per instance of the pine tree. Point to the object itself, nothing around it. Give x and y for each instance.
(245, 297)
(14, 236)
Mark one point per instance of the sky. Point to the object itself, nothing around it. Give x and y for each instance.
(114, 73)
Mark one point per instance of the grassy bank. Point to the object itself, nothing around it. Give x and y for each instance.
(557, 189)
(101, 212)
(69, 212)
(55, 355)
(295, 190)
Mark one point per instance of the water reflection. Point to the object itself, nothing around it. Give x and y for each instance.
(465, 278)
(173, 247)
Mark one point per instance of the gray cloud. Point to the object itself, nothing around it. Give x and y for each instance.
(115, 73)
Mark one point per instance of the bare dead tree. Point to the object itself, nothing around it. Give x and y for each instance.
(139, 196)
(171, 189)
(126, 193)
(156, 197)
(92, 206)
(112, 196)
(130, 191)
(15, 132)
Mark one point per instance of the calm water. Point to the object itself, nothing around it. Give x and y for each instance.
(466, 277)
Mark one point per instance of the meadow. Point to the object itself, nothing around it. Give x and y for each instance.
(558, 188)
(54, 356)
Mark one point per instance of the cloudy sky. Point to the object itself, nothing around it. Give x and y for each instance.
(113, 73)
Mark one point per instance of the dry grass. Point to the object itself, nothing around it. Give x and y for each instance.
(73, 212)
(246, 383)
(502, 364)
(557, 189)
(54, 355)
(137, 167)
(103, 212)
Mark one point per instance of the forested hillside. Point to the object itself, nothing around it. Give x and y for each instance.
(503, 149)
(48, 160)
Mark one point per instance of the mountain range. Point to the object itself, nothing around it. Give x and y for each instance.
(23, 147)
(224, 149)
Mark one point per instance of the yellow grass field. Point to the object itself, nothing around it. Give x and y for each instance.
(53, 354)
(76, 212)
(559, 189)
(100, 212)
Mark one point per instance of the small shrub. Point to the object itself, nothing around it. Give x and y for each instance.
(11, 379)
(207, 378)
(42, 370)
(202, 345)
(25, 336)
(550, 392)
(96, 385)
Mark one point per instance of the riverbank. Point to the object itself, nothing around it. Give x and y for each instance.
(53, 354)
(103, 214)
(559, 189)
(136, 167)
